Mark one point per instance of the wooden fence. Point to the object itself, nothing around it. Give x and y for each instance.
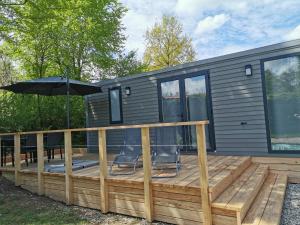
(145, 134)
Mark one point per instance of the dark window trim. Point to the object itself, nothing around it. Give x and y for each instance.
(182, 91)
(265, 100)
(121, 107)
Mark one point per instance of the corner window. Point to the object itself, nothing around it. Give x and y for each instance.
(282, 80)
(115, 105)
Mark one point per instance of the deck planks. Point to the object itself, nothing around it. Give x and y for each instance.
(235, 185)
(266, 209)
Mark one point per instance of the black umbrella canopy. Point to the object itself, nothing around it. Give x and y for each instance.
(53, 86)
(50, 86)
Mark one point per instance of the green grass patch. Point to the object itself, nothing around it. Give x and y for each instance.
(22, 208)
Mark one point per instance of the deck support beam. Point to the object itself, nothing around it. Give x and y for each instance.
(40, 160)
(17, 143)
(103, 171)
(203, 169)
(68, 166)
(147, 174)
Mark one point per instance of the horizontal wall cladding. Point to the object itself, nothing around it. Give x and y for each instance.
(139, 107)
(237, 100)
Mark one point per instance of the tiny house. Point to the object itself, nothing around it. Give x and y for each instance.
(251, 99)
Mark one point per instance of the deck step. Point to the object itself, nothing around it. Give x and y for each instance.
(267, 206)
(224, 178)
(237, 198)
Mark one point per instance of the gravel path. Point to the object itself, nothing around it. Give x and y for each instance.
(291, 207)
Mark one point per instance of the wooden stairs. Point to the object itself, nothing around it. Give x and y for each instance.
(255, 197)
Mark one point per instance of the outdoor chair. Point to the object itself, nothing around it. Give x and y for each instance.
(130, 152)
(54, 141)
(166, 152)
(30, 146)
(7, 148)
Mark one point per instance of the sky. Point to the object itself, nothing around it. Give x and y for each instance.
(217, 27)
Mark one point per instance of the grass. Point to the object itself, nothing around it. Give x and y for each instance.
(15, 213)
(23, 208)
(20, 207)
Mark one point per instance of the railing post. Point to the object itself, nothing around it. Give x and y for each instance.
(103, 171)
(68, 166)
(202, 160)
(17, 157)
(40, 158)
(147, 174)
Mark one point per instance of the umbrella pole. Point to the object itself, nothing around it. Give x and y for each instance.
(68, 101)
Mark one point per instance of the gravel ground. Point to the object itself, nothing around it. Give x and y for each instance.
(9, 191)
(291, 207)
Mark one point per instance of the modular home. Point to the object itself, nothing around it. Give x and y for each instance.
(251, 99)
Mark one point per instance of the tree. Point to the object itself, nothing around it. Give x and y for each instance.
(125, 64)
(7, 69)
(49, 38)
(166, 45)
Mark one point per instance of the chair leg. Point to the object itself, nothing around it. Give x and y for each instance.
(35, 156)
(5, 158)
(61, 154)
(31, 156)
(116, 174)
(13, 159)
(48, 155)
(26, 159)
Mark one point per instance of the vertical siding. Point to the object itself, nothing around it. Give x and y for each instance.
(235, 99)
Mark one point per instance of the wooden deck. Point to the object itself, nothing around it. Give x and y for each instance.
(242, 192)
(219, 190)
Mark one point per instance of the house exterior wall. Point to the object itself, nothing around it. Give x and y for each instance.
(235, 98)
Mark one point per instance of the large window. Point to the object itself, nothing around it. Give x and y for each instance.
(115, 105)
(186, 98)
(282, 79)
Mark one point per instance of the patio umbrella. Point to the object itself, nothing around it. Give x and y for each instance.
(50, 86)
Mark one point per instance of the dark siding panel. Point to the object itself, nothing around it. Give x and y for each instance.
(235, 98)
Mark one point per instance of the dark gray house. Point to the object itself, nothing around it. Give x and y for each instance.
(251, 98)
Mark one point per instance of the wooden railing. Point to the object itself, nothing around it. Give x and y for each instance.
(145, 134)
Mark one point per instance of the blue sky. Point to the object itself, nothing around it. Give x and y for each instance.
(217, 27)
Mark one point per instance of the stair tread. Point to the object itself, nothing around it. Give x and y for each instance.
(231, 166)
(267, 206)
(240, 194)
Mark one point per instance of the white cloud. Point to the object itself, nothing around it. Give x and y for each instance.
(136, 26)
(141, 15)
(233, 48)
(199, 7)
(190, 7)
(211, 23)
(293, 34)
(216, 26)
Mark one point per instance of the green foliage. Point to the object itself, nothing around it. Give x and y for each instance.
(48, 38)
(166, 45)
(125, 64)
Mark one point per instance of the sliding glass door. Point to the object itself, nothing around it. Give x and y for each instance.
(186, 98)
(195, 107)
(282, 83)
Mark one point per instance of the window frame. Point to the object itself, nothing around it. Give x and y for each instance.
(120, 104)
(209, 103)
(265, 101)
